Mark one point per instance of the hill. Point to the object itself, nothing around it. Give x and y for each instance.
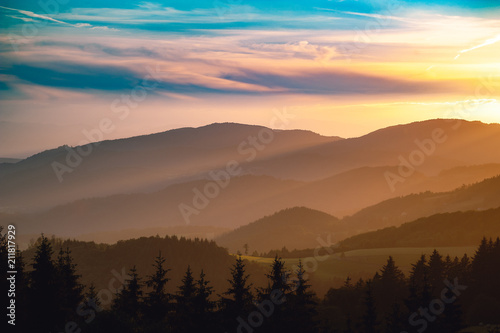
(182, 162)
(248, 198)
(105, 265)
(152, 162)
(440, 230)
(143, 163)
(394, 212)
(294, 228)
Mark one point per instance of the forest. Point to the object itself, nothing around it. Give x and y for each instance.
(441, 294)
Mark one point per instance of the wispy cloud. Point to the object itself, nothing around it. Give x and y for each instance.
(471, 102)
(34, 15)
(486, 43)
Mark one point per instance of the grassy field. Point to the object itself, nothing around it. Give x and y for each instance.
(363, 263)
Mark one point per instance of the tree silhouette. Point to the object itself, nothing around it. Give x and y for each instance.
(370, 323)
(44, 311)
(303, 304)
(185, 304)
(436, 273)
(157, 300)
(239, 302)
(69, 288)
(204, 306)
(275, 296)
(127, 303)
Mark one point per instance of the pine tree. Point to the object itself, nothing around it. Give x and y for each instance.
(43, 290)
(303, 304)
(204, 306)
(185, 303)
(239, 302)
(370, 323)
(69, 288)
(91, 305)
(277, 292)
(157, 300)
(389, 289)
(127, 303)
(436, 273)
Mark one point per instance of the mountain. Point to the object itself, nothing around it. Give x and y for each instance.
(152, 162)
(141, 164)
(106, 265)
(394, 212)
(350, 191)
(244, 200)
(428, 146)
(294, 228)
(186, 231)
(9, 160)
(448, 229)
(162, 179)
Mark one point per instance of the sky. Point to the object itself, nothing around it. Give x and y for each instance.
(73, 71)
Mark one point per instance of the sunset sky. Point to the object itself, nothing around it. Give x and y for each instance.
(344, 67)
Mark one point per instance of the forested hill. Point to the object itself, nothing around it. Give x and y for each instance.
(448, 229)
(103, 264)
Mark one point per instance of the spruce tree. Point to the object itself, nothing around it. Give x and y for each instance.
(204, 306)
(69, 288)
(436, 273)
(370, 323)
(127, 303)
(302, 303)
(185, 304)
(276, 296)
(238, 302)
(43, 291)
(157, 300)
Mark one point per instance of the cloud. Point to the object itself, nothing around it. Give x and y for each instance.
(333, 82)
(34, 15)
(76, 76)
(24, 19)
(31, 16)
(469, 102)
(490, 41)
(149, 5)
(302, 49)
(104, 28)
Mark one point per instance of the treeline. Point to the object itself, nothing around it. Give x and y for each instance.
(439, 295)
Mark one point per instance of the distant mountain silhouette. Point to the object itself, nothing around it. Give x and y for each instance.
(143, 163)
(447, 229)
(9, 160)
(101, 263)
(294, 228)
(394, 212)
(298, 168)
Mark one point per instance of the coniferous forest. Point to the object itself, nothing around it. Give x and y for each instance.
(441, 294)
